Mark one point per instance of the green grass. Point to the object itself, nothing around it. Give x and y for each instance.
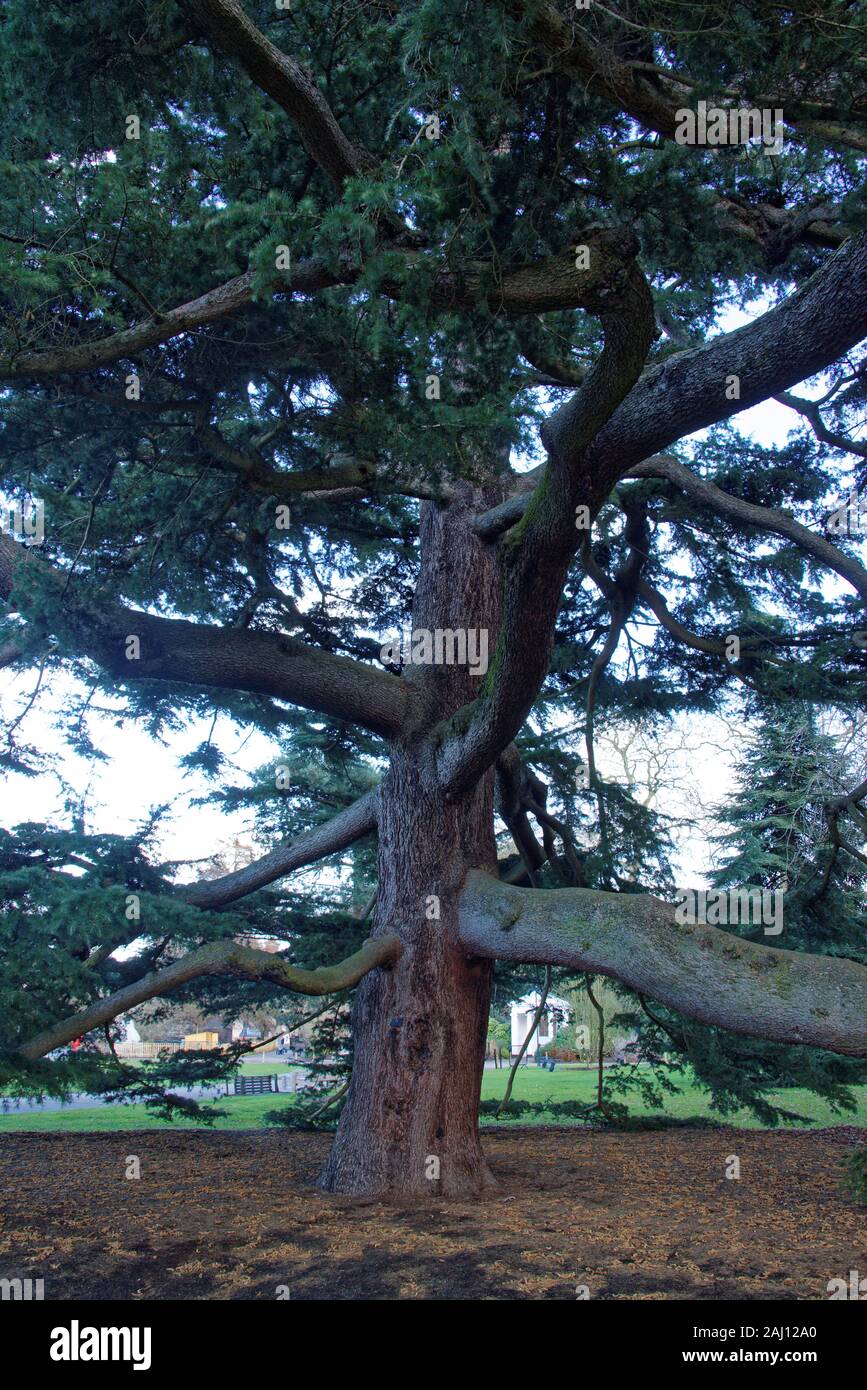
(247, 1068)
(531, 1083)
(257, 1068)
(534, 1084)
(244, 1112)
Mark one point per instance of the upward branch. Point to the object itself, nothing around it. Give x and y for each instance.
(823, 319)
(688, 391)
(336, 834)
(537, 553)
(606, 429)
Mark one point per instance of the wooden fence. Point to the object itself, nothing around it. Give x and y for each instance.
(146, 1049)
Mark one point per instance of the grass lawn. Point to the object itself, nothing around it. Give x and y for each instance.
(247, 1068)
(259, 1068)
(531, 1083)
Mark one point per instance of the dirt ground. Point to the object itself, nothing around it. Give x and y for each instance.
(236, 1216)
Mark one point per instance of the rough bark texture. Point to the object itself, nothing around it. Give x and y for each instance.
(420, 1027)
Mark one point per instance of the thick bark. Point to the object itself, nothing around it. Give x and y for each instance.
(410, 1122)
(703, 972)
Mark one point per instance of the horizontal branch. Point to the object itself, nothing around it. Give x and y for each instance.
(705, 973)
(849, 798)
(211, 307)
(336, 834)
(217, 958)
(362, 476)
(534, 288)
(135, 646)
(776, 230)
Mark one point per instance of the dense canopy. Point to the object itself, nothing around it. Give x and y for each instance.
(326, 325)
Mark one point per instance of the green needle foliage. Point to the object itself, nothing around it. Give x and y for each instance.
(142, 167)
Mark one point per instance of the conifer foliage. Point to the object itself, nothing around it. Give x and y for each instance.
(370, 376)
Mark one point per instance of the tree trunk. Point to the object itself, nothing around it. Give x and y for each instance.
(410, 1123)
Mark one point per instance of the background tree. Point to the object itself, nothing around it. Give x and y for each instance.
(784, 830)
(324, 324)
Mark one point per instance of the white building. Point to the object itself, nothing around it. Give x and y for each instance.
(130, 1032)
(557, 1012)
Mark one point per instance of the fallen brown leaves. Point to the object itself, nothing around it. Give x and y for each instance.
(631, 1216)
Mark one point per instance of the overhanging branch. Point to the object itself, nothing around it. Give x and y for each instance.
(135, 646)
(217, 958)
(766, 518)
(216, 304)
(534, 288)
(652, 97)
(703, 972)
